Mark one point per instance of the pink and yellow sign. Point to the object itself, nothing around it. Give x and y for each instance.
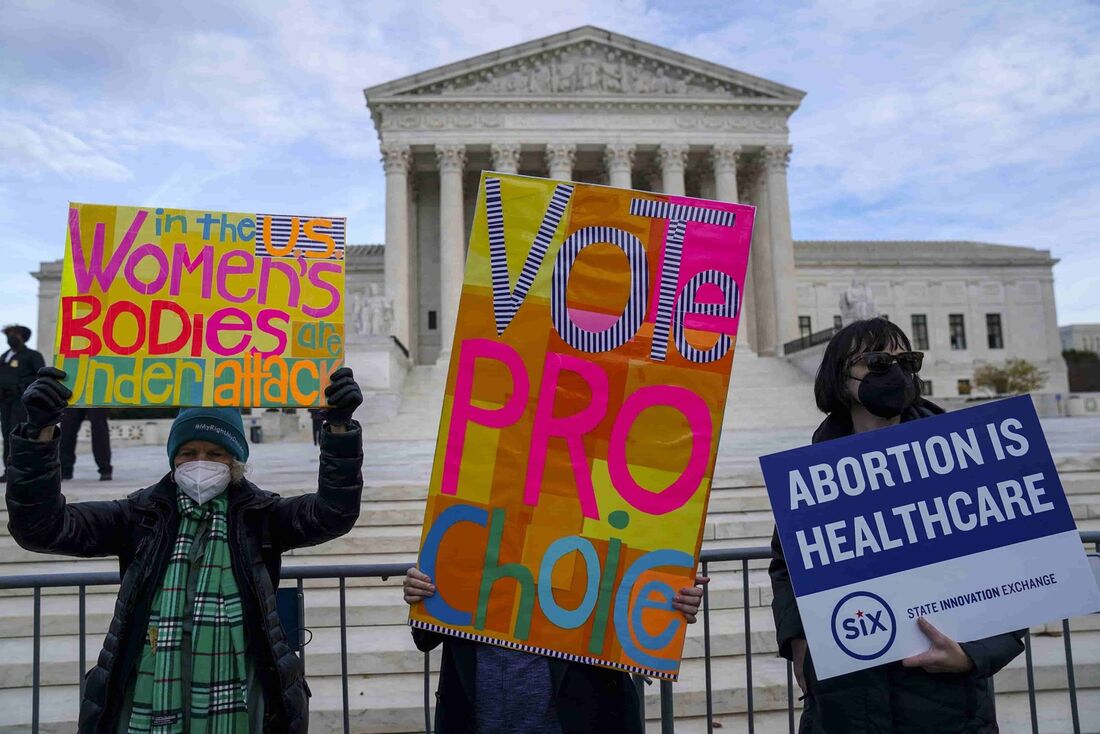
(581, 419)
(177, 307)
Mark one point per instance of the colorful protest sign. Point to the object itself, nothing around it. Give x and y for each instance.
(958, 518)
(581, 419)
(176, 307)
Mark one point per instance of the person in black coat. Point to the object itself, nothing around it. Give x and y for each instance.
(485, 689)
(207, 450)
(18, 367)
(867, 380)
(71, 421)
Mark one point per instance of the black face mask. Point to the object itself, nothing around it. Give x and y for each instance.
(888, 394)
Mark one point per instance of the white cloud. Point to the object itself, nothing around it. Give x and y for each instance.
(923, 119)
(30, 146)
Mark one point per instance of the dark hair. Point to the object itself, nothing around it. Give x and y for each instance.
(870, 335)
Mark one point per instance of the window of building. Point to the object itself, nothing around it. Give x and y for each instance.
(964, 387)
(804, 329)
(431, 321)
(957, 327)
(993, 329)
(837, 322)
(925, 387)
(920, 331)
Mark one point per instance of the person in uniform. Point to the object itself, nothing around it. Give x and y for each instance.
(71, 421)
(18, 368)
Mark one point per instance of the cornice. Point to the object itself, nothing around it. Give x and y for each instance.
(952, 254)
(585, 102)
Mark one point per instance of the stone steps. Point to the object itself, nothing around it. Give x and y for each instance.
(380, 645)
(764, 392)
(378, 604)
(1013, 714)
(393, 702)
(386, 666)
(403, 541)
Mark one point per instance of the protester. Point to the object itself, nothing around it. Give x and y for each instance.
(494, 690)
(18, 367)
(868, 380)
(317, 420)
(195, 644)
(71, 420)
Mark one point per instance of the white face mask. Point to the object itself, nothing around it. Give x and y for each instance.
(202, 481)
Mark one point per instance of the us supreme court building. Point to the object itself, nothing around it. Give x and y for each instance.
(594, 106)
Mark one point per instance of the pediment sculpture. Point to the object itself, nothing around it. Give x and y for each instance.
(857, 303)
(587, 68)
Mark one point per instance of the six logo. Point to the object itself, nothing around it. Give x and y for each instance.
(863, 625)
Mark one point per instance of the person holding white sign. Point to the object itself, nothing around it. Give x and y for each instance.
(868, 380)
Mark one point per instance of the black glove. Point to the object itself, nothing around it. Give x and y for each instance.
(343, 395)
(46, 399)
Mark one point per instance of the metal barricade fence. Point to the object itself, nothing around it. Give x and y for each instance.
(341, 573)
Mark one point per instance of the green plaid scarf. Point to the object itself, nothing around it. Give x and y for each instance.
(218, 696)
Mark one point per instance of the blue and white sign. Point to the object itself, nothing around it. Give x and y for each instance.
(959, 518)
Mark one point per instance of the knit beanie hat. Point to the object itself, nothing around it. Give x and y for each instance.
(222, 426)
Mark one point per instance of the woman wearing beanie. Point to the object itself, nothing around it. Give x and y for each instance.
(195, 645)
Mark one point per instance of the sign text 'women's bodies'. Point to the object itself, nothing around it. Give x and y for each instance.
(177, 307)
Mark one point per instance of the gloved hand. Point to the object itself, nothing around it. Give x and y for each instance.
(45, 399)
(343, 395)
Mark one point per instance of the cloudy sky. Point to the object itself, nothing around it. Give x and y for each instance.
(923, 120)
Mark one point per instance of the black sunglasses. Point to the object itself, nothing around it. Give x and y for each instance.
(879, 362)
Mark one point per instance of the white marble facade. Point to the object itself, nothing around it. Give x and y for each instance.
(1002, 298)
(1085, 337)
(586, 105)
(593, 106)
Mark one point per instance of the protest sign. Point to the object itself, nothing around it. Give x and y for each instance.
(581, 419)
(176, 307)
(958, 518)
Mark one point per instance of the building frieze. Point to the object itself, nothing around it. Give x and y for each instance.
(576, 115)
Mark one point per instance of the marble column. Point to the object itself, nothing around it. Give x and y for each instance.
(673, 160)
(776, 160)
(452, 249)
(763, 282)
(724, 160)
(397, 262)
(559, 161)
(505, 157)
(619, 159)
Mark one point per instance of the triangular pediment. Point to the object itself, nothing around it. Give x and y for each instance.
(586, 62)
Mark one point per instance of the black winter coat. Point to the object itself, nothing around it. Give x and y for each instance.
(589, 699)
(890, 699)
(141, 530)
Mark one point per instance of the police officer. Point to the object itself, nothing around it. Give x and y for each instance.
(71, 421)
(18, 368)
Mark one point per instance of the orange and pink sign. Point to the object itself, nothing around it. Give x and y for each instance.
(581, 419)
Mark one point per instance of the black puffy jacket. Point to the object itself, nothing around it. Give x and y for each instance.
(141, 530)
(890, 699)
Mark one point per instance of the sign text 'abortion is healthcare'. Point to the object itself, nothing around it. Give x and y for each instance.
(178, 307)
(958, 518)
(581, 419)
